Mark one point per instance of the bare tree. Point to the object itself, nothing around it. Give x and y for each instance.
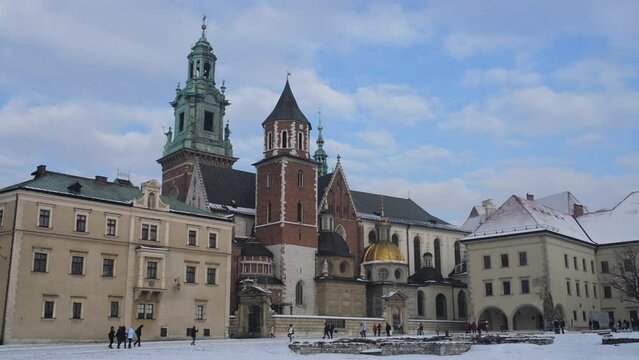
(623, 275)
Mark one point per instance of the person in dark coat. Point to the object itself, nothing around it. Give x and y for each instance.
(138, 333)
(562, 324)
(111, 337)
(331, 330)
(193, 335)
(326, 335)
(119, 335)
(388, 329)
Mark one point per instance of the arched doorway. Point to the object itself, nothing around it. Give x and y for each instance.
(438, 256)
(255, 321)
(527, 317)
(495, 318)
(420, 303)
(461, 305)
(559, 312)
(440, 307)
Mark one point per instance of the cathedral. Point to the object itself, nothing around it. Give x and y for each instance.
(305, 243)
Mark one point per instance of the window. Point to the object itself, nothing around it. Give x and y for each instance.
(583, 264)
(48, 309)
(111, 227)
(81, 223)
(583, 315)
(398, 273)
(213, 240)
(207, 70)
(568, 291)
(523, 258)
(1, 216)
(489, 288)
(199, 312)
(566, 260)
(420, 303)
(149, 232)
(300, 141)
(574, 315)
(269, 180)
(299, 293)
(574, 262)
(382, 273)
(181, 122)
(504, 260)
(192, 238)
(145, 311)
(190, 274)
(627, 264)
(77, 265)
(208, 121)
(40, 262)
(577, 288)
(284, 139)
(107, 267)
(592, 266)
(300, 178)
(268, 212)
(457, 251)
(76, 312)
(607, 292)
(210, 276)
(525, 286)
(586, 292)
(604, 267)
(395, 239)
(300, 212)
(44, 218)
(594, 290)
(269, 143)
(152, 270)
(372, 237)
(506, 287)
(486, 261)
(114, 310)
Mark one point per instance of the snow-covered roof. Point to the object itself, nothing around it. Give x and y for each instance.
(232, 209)
(619, 224)
(519, 215)
(564, 202)
(477, 217)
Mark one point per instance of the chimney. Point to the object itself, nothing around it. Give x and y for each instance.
(530, 197)
(41, 170)
(101, 179)
(488, 206)
(578, 210)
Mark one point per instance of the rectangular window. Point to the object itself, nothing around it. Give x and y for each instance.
(153, 232)
(594, 290)
(190, 274)
(107, 267)
(114, 309)
(486, 261)
(141, 311)
(77, 265)
(145, 311)
(152, 270)
(604, 267)
(525, 286)
(583, 264)
(210, 276)
(506, 286)
(574, 262)
(47, 311)
(568, 291)
(586, 291)
(40, 262)
(199, 312)
(574, 315)
(504, 260)
(43, 219)
(523, 258)
(583, 315)
(489, 288)
(192, 238)
(208, 121)
(111, 226)
(181, 122)
(566, 260)
(81, 223)
(149, 311)
(213, 240)
(145, 232)
(577, 288)
(627, 264)
(611, 316)
(1, 216)
(592, 266)
(607, 292)
(77, 311)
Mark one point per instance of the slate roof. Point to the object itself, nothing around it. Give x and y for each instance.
(425, 274)
(287, 109)
(226, 186)
(254, 248)
(119, 192)
(331, 243)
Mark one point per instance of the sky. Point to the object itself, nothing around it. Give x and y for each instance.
(446, 102)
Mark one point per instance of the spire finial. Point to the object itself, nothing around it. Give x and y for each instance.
(382, 206)
(319, 116)
(288, 75)
(223, 88)
(338, 158)
(204, 26)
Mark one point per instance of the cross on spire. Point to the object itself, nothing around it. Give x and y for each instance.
(203, 25)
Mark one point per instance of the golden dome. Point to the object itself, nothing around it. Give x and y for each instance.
(383, 251)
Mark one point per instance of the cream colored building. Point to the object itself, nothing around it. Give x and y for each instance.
(79, 255)
(530, 262)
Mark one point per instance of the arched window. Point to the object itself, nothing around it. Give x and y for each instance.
(440, 307)
(284, 139)
(300, 178)
(197, 68)
(395, 239)
(438, 256)
(207, 70)
(268, 212)
(269, 180)
(461, 303)
(269, 141)
(300, 141)
(372, 237)
(300, 212)
(417, 253)
(457, 253)
(299, 293)
(420, 303)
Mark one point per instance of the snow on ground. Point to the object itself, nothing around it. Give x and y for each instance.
(566, 347)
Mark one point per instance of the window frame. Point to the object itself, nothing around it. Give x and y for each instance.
(214, 234)
(524, 258)
(607, 292)
(81, 217)
(488, 285)
(107, 226)
(155, 268)
(505, 282)
(51, 300)
(48, 210)
(525, 289)
(605, 267)
(208, 275)
(191, 237)
(504, 261)
(487, 262)
(80, 309)
(74, 265)
(106, 258)
(151, 230)
(46, 253)
(117, 308)
(199, 312)
(190, 277)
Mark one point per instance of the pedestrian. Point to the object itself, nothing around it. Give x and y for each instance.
(388, 330)
(119, 335)
(272, 331)
(291, 332)
(379, 329)
(138, 333)
(111, 337)
(362, 329)
(420, 329)
(562, 324)
(590, 324)
(437, 329)
(193, 334)
(473, 328)
(374, 329)
(130, 335)
(326, 335)
(331, 329)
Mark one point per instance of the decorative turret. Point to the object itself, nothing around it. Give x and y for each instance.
(320, 155)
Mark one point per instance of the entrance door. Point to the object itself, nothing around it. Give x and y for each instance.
(255, 321)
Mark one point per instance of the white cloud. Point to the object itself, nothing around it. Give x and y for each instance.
(399, 103)
(471, 119)
(597, 73)
(462, 45)
(501, 76)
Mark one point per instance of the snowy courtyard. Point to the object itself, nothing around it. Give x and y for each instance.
(565, 347)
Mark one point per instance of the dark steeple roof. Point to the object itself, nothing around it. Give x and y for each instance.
(287, 109)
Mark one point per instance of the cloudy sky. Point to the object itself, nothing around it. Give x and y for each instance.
(450, 101)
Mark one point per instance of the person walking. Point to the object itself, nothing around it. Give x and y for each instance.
(437, 329)
(562, 324)
(272, 331)
(388, 329)
(331, 329)
(420, 329)
(130, 335)
(111, 337)
(374, 329)
(291, 332)
(120, 337)
(193, 335)
(326, 330)
(379, 329)
(138, 333)
(362, 329)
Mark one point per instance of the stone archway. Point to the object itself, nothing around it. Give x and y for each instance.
(254, 315)
(495, 317)
(527, 317)
(559, 312)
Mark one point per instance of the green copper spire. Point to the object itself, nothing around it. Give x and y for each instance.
(320, 155)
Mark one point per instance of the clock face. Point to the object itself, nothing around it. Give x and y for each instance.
(173, 192)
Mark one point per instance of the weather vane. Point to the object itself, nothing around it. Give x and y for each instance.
(288, 75)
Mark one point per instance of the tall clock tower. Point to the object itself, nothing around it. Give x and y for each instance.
(198, 133)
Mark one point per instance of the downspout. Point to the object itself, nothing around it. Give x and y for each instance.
(6, 300)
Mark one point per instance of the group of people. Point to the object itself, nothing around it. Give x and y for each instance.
(377, 329)
(632, 325)
(329, 329)
(474, 328)
(122, 335)
(558, 324)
